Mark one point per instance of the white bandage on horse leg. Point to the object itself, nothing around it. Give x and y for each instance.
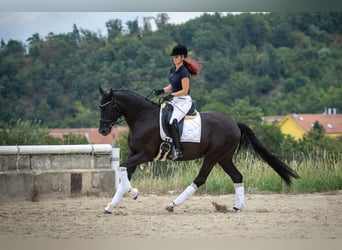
(123, 187)
(239, 195)
(190, 190)
(123, 177)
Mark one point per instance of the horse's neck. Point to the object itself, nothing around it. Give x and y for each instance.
(132, 103)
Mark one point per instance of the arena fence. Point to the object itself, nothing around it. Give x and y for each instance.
(34, 172)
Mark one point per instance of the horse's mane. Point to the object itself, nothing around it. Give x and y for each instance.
(132, 93)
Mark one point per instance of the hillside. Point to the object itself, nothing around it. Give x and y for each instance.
(271, 64)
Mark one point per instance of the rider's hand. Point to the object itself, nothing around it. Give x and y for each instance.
(158, 91)
(167, 97)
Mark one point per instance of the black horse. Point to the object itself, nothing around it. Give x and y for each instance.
(220, 139)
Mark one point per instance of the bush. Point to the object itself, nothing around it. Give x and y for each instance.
(32, 133)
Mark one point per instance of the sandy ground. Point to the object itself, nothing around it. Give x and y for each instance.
(267, 216)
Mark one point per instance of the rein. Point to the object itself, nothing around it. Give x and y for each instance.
(115, 106)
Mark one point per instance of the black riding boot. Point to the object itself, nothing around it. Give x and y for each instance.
(177, 153)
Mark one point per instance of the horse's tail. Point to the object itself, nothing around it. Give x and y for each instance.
(284, 171)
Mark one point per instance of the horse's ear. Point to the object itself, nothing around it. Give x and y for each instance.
(101, 90)
(111, 93)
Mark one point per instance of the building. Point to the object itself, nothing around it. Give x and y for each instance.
(91, 134)
(297, 125)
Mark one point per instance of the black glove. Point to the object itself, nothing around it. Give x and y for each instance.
(158, 91)
(167, 97)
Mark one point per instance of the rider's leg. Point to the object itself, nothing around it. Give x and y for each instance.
(178, 152)
(181, 106)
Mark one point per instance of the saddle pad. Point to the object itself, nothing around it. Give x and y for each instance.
(191, 128)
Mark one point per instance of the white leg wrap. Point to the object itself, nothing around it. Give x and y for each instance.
(190, 190)
(123, 187)
(239, 195)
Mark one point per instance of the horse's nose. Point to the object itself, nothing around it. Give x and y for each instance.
(102, 131)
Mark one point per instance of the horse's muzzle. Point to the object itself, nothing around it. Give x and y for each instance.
(105, 127)
(104, 131)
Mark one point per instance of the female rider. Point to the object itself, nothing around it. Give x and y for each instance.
(179, 96)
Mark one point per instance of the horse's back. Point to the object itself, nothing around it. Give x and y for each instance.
(220, 125)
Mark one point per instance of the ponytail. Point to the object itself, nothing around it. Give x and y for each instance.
(193, 66)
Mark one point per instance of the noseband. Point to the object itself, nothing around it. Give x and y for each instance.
(110, 123)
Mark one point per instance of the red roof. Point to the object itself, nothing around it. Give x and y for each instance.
(92, 134)
(331, 123)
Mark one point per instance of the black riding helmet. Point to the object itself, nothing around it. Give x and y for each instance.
(179, 50)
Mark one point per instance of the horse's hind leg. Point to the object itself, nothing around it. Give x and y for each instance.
(191, 189)
(237, 178)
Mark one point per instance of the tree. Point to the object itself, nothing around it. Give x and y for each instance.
(123, 145)
(162, 20)
(252, 30)
(114, 28)
(317, 132)
(76, 35)
(34, 45)
(243, 111)
(281, 33)
(275, 61)
(147, 27)
(133, 27)
(316, 143)
(25, 133)
(71, 139)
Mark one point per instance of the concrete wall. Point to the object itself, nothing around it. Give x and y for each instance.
(42, 172)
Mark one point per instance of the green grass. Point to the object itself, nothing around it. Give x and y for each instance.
(317, 174)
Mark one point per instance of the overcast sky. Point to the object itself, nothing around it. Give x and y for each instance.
(22, 25)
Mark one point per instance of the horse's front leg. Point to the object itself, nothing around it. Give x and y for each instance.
(124, 181)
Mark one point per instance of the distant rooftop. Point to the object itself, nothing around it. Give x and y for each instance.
(92, 134)
(331, 123)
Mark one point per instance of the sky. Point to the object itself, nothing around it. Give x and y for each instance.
(22, 25)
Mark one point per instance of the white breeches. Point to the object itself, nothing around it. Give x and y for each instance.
(181, 106)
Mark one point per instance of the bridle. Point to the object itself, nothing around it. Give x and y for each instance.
(110, 123)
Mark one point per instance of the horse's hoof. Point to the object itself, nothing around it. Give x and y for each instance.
(108, 209)
(107, 212)
(169, 208)
(134, 193)
(236, 210)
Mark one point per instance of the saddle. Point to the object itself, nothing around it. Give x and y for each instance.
(192, 129)
(166, 116)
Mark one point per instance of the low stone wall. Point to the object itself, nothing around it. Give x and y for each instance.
(42, 172)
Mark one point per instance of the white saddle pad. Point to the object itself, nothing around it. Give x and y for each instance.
(191, 128)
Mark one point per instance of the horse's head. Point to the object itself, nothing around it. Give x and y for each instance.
(109, 112)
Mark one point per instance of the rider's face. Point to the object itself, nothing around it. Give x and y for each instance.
(178, 59)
